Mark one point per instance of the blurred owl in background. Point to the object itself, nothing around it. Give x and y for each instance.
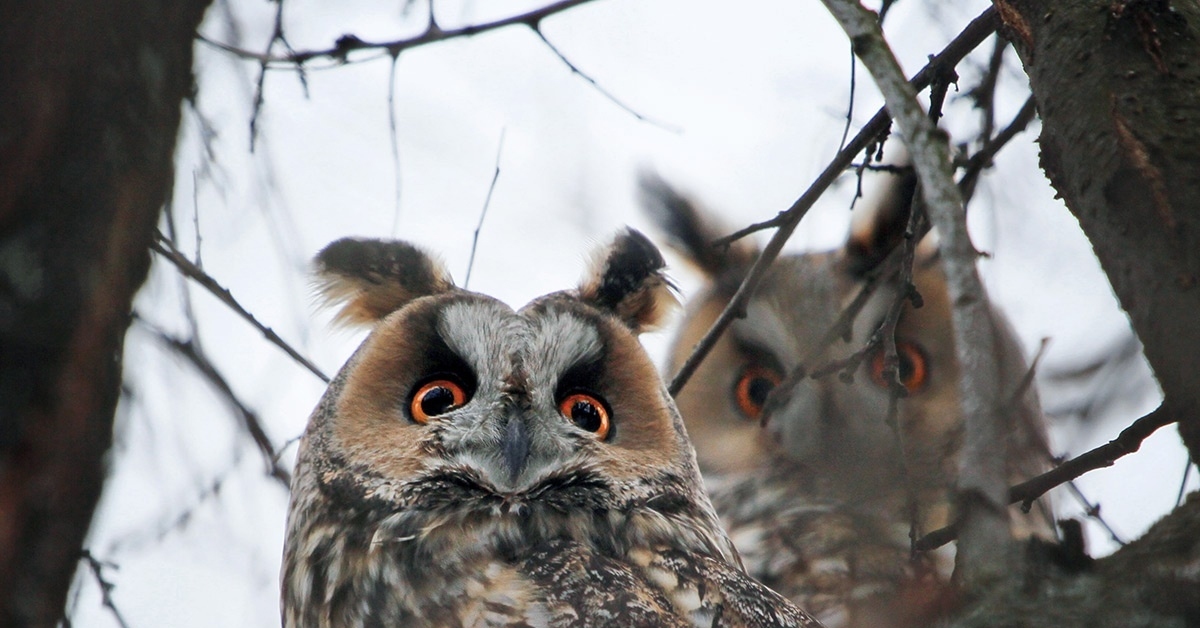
(472, 465)
(821, 501)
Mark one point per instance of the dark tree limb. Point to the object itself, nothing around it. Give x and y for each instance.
(90, 97)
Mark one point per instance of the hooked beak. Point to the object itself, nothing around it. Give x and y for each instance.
(514, 448)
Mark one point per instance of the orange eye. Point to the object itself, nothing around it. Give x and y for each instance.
(753, 386)
(587, 412)
(437, 397)
(914, 369)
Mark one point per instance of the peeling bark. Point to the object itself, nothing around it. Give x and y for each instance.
(90, 96)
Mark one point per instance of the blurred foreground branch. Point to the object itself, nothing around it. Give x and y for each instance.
(984, 549)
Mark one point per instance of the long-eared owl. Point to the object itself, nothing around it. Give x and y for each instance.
(472, 465)
(822, 500)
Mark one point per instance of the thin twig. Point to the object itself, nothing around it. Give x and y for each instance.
(850, 105)
(249, 418)
(984, 94)
(1092, 510)
(966, 41)
(983, 551)
(432, 34)
(164, 247)
(1187, 471)
(259, 94)
(106, 588)
(394, 137)
(139, 539)
(1128, 441)
(483, 213)
(786, 221)
(983, 157)
(603, 92)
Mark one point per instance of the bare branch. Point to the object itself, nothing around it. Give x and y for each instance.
(1128, 441)
(966, 41)
(983, 157)
(163, 247)
(983, 551)
(1092, 510)
(259, 96)
(786, 221)
(483, 213)
(432, 34)
(249, 418)
(603, 92)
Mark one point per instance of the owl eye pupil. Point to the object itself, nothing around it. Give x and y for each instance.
(437, 401)
(906, 367)
(587, 412)
(758, 390)
(586, 416)
(753, 387)
(436, 397)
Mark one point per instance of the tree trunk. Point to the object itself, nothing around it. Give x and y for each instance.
(90, 96)
(1117, 85)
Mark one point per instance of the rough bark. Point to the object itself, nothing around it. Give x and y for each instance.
(1117, 85)
(1151, 583)
(90, 96)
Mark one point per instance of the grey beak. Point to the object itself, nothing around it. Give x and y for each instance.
(515, 447)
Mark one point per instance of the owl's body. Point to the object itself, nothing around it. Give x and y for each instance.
(821, 501)
(472, 465)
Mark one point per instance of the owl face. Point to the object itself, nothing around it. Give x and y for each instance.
(455, 393)
(834, 424)
(459, 390)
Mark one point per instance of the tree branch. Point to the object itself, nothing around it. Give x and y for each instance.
(1128, 441)
(432, 34)
(163, 247)
(983, 552)
(249, 418)
(786, 221)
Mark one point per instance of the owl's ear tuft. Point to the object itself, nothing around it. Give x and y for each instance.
(628, 280)
(880, 222)
(374, 278)
(690, 230)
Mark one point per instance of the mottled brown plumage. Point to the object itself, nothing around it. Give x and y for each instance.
(475, 466)
(820, 501)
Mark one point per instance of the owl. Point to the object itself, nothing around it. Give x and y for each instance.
(472, 465)
(822, 499)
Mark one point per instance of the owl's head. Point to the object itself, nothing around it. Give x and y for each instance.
(834, 426)
(456, 399)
